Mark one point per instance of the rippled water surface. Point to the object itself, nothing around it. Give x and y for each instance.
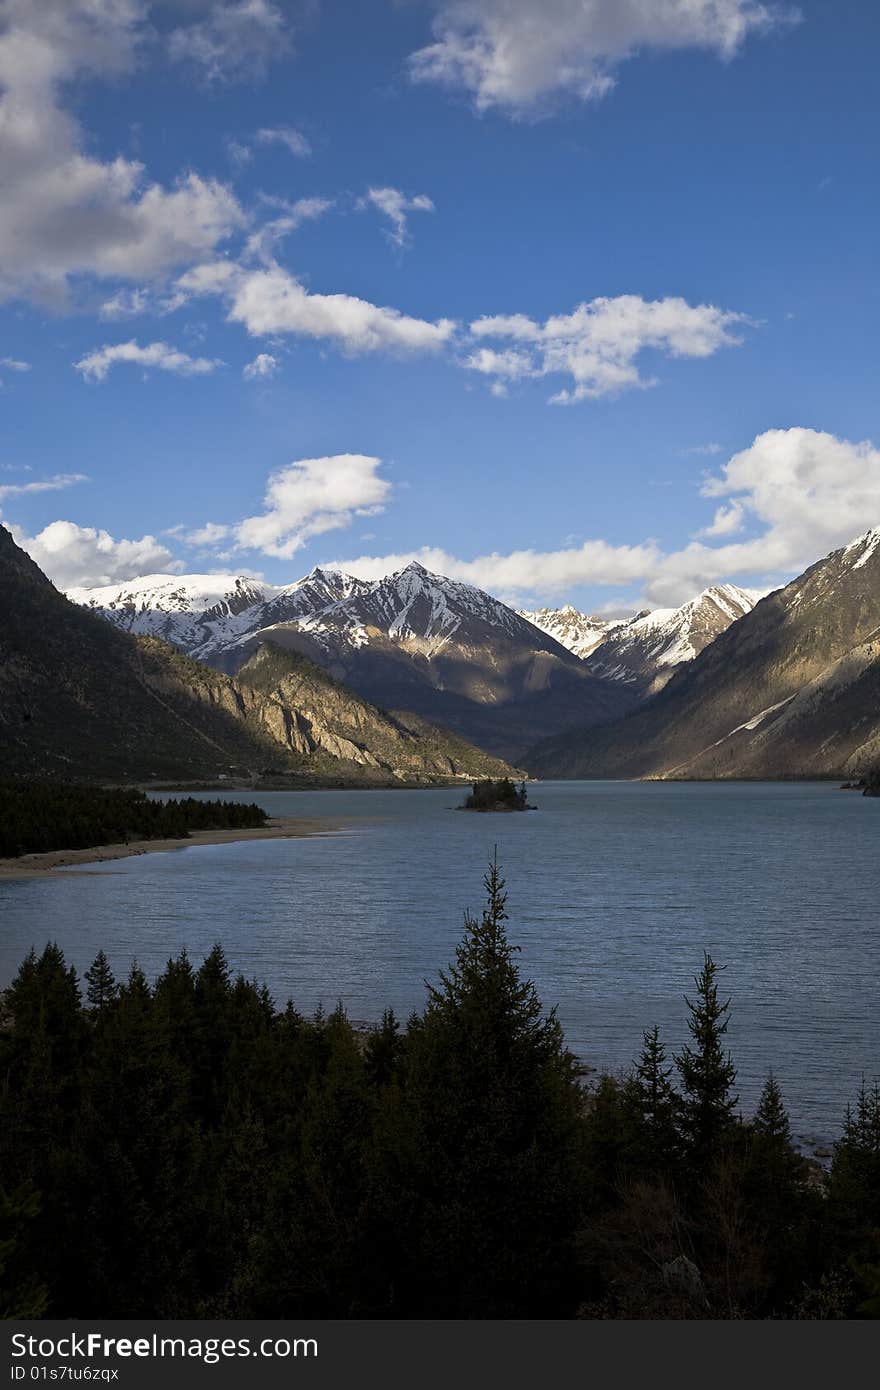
(615, 891)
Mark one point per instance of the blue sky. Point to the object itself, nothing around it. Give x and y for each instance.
(286, 284)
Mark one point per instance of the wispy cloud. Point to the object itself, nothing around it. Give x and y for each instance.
(263, 366)
(159, 356)
(53, 484)
(395, 206)
(237, 40)
(293, 140)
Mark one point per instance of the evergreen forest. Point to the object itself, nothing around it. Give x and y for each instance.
(187, 1149)
(36, 817)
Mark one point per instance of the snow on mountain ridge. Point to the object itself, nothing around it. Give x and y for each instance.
(413, 607)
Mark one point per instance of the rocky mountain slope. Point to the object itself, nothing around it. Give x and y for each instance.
(81, 700)
(446, 651)
(304, 709)
(643, 652)
(790, 689)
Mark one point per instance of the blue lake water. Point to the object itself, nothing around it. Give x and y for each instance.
(615, 891)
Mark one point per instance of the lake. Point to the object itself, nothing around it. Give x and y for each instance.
(615, 891)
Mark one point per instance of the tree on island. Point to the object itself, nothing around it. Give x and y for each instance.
(500, 795)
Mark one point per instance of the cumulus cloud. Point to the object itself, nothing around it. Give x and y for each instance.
(294, 140)
(802, 492)
(205, 536)
(238, 39)
(161, 356)
(519, 56)
(272, 301)
(310, 497)
(395, 205)
(64, 212)
(598, 344)
(74, 556)
(264, 365)
(521, 571)
(306, 498)
(54, 484)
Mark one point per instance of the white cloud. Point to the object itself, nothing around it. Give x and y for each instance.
(237, 40)
(14, 364)
(264, 365)
(54, 484)
(63, 212)
(310, 497)
(709, 449)
(207, 535)
(519, 55)
(261, 244)
(530, 571)
(126, 304)
(239, 152)
(395, 205)
(74, 556)
(271, 300)
(726, 521)
(803, 492)
(95, 365)
(294, 140)
(598, 344)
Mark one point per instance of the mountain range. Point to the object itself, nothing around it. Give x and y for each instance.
(414, 640)
(643, 652)
(790, 689)
(731, 684)
(81, 699)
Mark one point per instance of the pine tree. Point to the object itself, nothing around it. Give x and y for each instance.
(101, 984)
(707, 1072)
(771, 1123)
(854, 1204)
(481, 1169)
(657, 1105)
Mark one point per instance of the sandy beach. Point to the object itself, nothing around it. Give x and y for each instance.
(55, 861)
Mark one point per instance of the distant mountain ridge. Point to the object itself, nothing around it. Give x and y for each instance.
(790, 689)
(644, 651)
(414, 640)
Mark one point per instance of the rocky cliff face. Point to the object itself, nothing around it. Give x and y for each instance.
(307, 710)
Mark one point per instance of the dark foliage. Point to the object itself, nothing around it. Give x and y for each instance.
(39, 816)
(497, 795)
(186, 1149)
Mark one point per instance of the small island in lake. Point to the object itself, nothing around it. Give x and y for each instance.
(500, 795)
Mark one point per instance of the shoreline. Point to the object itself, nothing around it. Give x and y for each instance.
(56, 861)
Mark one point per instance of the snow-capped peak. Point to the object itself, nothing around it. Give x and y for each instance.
(865, 545)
